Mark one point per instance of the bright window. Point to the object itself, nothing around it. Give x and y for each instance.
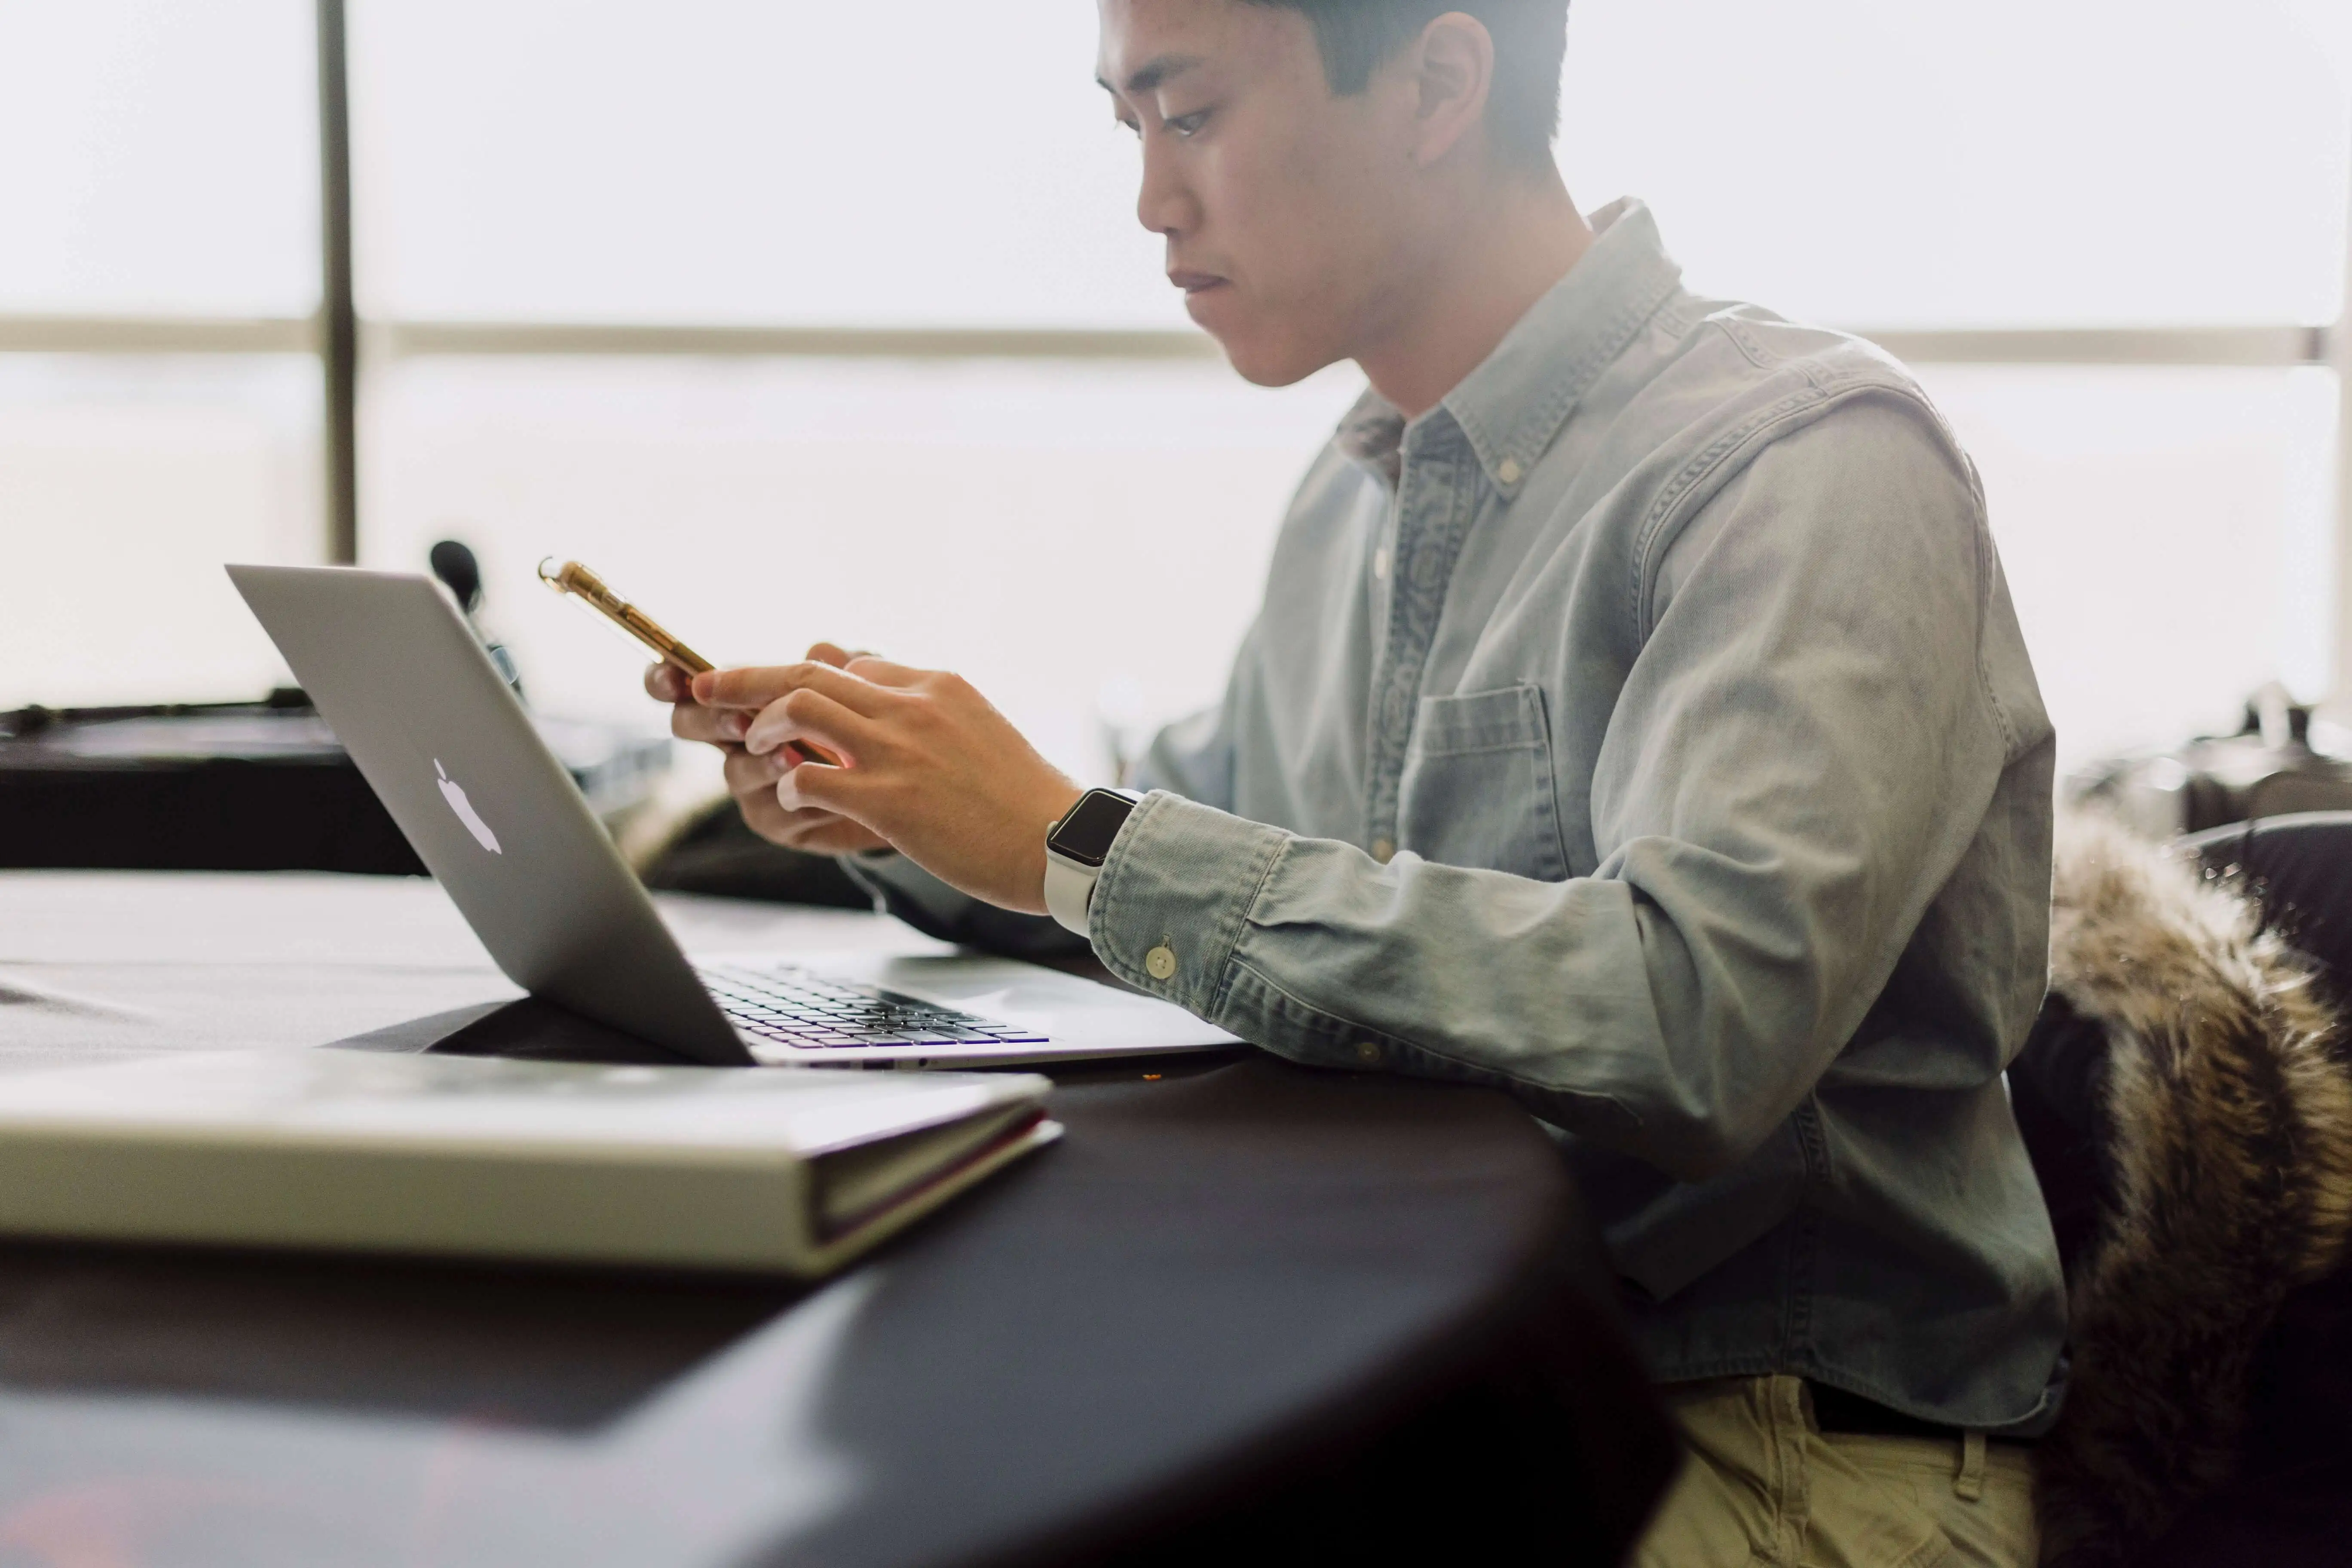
(941, 162)
(2001, 162)
(125, 482)
(2158, 528)
(158, 158)
(2006, 163)
(1997, 162)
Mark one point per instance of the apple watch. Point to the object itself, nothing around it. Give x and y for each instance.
(1077, 847)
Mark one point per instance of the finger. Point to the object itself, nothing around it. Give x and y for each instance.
(759, 685)
(813, 786)
(756, 772)
(748, 775)
(713, 726)
(822, 833)
(763, 815)
(834, 654)
(811, 715)
(882, 671)
(663, 683)
(818, 831)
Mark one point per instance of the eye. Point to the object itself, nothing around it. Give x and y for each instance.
(1185, 125)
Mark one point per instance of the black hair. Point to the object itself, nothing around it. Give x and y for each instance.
(1357, 37)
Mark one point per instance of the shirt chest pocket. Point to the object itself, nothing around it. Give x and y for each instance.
(1477, 784)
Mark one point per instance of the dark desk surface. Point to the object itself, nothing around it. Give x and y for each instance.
(1243, 1304)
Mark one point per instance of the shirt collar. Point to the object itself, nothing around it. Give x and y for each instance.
(1373, 432)
(1511, 406)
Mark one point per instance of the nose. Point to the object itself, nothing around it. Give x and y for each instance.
(1165, 205)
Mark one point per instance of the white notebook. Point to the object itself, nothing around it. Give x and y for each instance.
(784, 1170)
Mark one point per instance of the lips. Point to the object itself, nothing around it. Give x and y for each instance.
(1194, 282)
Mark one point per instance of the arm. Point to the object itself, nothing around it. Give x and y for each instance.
(721, 709)
(1192, 757)
(1804, 746)
(1197, 751)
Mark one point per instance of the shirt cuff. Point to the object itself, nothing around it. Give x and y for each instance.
(1174, 895)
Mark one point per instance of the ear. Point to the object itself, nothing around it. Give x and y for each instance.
(1452, 70)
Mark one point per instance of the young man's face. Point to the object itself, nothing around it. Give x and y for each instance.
(1289, 212)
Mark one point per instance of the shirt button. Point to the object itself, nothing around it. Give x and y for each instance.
(1160, 963)
(1368, 1052)
(1507, 470)
(1381, 849)
(1381, 564)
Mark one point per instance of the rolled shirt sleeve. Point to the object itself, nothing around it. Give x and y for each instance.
(1802, 747)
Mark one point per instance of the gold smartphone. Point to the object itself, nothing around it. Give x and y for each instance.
(570, 577)
(573, 578)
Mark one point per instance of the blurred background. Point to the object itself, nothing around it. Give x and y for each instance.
(803, 322)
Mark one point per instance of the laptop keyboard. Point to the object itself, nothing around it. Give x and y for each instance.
(794, 1008)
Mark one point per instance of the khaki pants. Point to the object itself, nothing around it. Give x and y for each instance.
(1764, 1484)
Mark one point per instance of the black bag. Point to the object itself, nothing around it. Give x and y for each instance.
(2269, 768)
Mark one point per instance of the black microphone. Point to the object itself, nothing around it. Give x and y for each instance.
(455, 566)
(462, 575)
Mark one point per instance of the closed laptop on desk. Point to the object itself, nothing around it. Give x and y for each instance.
(670, 1167)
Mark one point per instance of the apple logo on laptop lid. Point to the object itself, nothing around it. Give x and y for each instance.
(454, 793)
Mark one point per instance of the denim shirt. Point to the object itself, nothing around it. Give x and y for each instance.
(1645, 731)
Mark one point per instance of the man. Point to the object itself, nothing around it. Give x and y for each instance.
(1636, 721)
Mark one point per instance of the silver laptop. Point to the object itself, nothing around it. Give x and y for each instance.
(435, 729)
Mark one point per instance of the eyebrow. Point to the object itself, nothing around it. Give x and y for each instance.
(1153, 72)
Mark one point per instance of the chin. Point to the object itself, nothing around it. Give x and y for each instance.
(1271, 360)
(1264, 351)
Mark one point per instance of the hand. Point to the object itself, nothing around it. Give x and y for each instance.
(926, 764)
(752, 780)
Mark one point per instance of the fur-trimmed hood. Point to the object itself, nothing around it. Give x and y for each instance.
(2204, 1066)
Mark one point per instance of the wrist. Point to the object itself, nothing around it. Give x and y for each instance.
(1076, 848)
(1024, 891)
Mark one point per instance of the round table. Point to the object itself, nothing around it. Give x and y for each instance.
(1241, 1306)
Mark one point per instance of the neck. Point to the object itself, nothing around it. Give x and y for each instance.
(1488, 266)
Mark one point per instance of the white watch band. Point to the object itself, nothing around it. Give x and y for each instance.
(1069, 888)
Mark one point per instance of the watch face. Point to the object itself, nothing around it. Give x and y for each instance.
(1085, 835)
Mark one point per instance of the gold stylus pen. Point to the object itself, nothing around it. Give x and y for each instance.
(573, 578)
